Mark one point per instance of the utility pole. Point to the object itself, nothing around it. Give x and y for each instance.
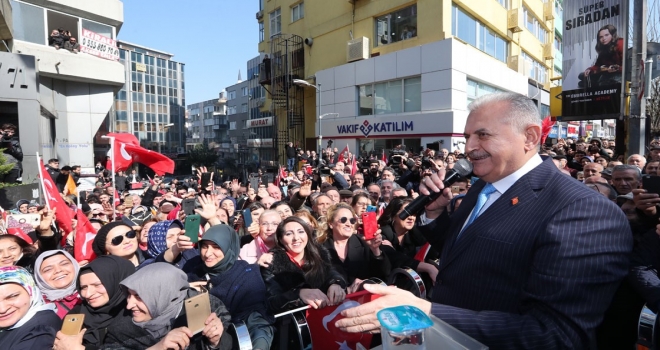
(636, 121)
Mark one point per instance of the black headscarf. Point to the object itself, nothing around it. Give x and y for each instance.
(110, 270)
(227, 239)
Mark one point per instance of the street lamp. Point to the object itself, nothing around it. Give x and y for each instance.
(159, 140)
(301, 82)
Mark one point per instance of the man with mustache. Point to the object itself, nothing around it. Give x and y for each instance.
(532, 258)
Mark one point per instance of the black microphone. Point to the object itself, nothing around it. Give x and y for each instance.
(462, 168)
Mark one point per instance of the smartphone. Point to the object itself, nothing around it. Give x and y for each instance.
(371, 208)
(651, 184)
(206, 180)
(264, 180)
(73, 324)
(369, 224)
(455, 189)
(247, 217)
(188, 206)
(192, 227)
(198, 309)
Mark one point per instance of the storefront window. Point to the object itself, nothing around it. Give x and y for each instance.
(396, 26)
(389, 97)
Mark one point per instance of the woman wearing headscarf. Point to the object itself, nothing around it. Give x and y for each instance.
(155, 298)
(235, 282)
(26, 321)
(229, 204)
(162, 236)
(118, 239)
(104, 304)
(56, 273)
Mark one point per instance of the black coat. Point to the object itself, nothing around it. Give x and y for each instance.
(129, 336)
(284, 280)
(360, 262)
(403, 254)
(37, 333)
(290, 152)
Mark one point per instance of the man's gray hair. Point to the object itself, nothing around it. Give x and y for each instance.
(522, 110)
(628, 167)
(394, 184)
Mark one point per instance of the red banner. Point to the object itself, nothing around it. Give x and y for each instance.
(85, 234)
(63, 215)
(325, 336)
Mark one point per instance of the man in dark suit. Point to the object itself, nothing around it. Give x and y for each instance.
(531, 258)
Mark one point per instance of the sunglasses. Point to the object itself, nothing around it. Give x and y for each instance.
(117, 240)
(344, 219)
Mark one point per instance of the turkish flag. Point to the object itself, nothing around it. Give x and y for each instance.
(63, 215)
(321, 322)
(353, 166)
(383, 158)
(127, 150)
(343, 155)
(85, 233)
(421, 254)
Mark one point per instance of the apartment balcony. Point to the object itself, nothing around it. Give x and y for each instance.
(65, 65)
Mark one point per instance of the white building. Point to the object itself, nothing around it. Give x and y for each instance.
(417, 96)
(64, 97)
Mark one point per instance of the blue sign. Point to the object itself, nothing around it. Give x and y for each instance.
(367, 128)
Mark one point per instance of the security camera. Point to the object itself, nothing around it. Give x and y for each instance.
(309, 41)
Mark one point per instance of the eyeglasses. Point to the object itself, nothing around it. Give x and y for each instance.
(362, 204)
(344, 219)
(117, 240)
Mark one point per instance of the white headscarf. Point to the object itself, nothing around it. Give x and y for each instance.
(52, 293)
(20, 276)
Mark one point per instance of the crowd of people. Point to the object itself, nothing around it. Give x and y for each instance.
(561, 252)
(62, 39)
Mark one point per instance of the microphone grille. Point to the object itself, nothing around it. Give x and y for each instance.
(463, 167)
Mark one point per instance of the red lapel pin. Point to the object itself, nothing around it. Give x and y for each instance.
(514, 201)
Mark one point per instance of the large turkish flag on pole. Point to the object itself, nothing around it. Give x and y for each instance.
(325, 336)
(126, 150)
(63, 215)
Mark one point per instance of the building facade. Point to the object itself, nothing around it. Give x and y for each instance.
(151, 103)
(401, 70)
(238, 96)
(207, 124)
(58, 99)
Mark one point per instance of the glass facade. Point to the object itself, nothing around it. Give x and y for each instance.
(396, 26)
(396, 96)
(477, 34)
(534, 26)
(150, 104)
(535, 69)
(477, 89)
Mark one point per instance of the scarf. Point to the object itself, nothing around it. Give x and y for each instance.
(261, 245)
(163, 288)
(157, 237)
(20, 276)
(54, 294)
(110, 270)
(227, 239)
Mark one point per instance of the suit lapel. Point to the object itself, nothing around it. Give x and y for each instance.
(524, 192)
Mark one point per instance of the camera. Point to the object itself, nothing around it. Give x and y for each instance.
(396, 156)
(426, 163)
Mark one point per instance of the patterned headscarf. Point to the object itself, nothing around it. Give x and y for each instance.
(21, 276)
(157, 236)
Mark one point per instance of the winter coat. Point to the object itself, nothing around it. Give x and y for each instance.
(360, 262)
(37, 333)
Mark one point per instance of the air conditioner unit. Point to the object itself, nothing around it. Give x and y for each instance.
(515, 20)
(260, 15)
(519, 64)
(357, 49)
(549, 11)
(548, 51)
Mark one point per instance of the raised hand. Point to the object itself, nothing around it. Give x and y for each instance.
(305, 189)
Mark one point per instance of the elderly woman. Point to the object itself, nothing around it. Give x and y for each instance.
(301, 272)
(104, 303)
(118, 239)
(235, 282)
(354, 257)
(265, 240)
(56, 272)
(155, 298)
(26, 320)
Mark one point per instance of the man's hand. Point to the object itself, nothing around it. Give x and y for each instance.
(234, 186)
(305, 189)
(363, 318)
(434, 183)
(645, 201)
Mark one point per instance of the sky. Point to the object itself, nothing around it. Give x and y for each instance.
(214, 38)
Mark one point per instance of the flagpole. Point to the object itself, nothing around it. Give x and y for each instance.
(112, 161)
(41, 177)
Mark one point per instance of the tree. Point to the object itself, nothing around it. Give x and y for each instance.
(201, 155)
(4, 168)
